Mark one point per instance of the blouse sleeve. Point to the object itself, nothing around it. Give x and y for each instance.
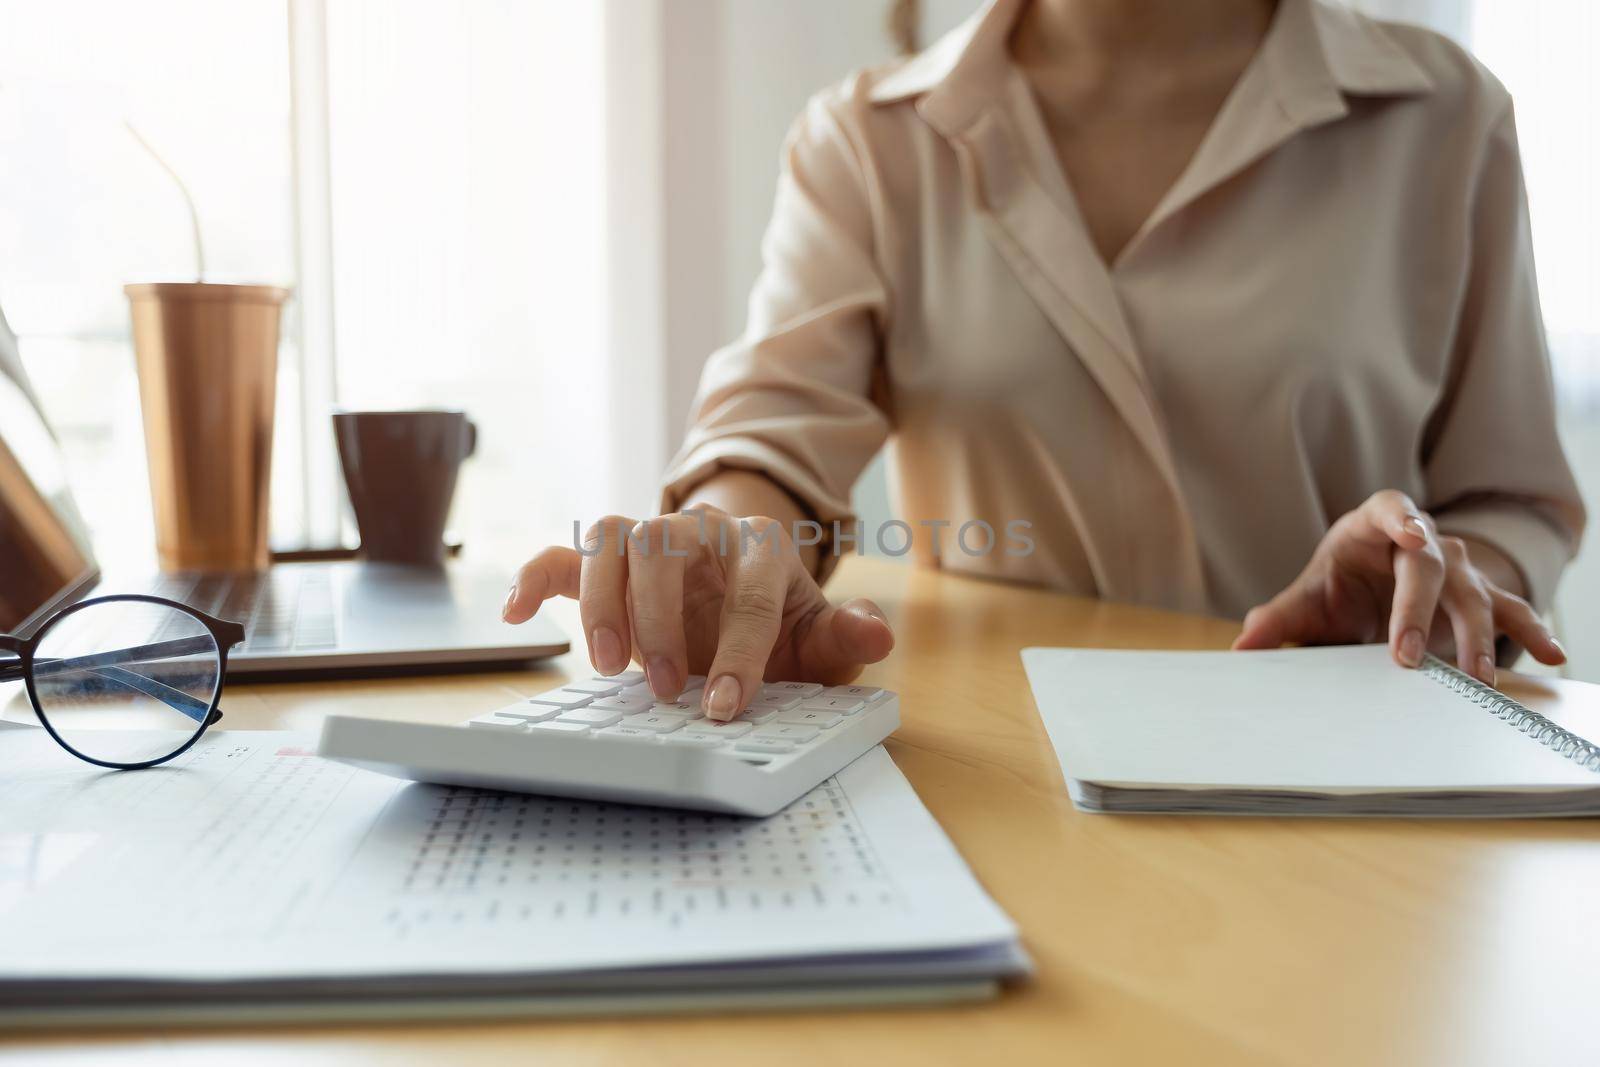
(791, 397)
(1494, 466)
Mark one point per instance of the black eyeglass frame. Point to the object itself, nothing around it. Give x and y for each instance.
(224, 636)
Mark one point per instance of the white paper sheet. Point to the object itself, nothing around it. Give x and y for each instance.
(251, 858)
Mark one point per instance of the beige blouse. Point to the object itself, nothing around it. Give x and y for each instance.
(1337, 296)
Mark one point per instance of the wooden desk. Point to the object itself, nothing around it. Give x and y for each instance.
(1158, 939)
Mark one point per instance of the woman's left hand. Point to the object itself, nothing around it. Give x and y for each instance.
(1384, 567)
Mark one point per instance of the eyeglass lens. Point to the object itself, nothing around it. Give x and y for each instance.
(126, 681)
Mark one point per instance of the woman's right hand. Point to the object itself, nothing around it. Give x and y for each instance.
(706, 593)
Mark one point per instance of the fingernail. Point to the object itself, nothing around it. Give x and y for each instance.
(1560, 649)
(510, 596)
(663, 678)
(1411, 648)
(1414, 527)
(1486, 669)
(606, 650)
(867, 608)
(722, 699)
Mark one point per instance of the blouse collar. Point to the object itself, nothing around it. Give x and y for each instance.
(1317, 54)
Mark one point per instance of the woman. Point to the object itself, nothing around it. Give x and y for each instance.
(1231, 302)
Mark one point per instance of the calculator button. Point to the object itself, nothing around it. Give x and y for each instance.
(776, 701)
(623, 733)
(639, 689)
(788, 731)
(655, 724)
(530, 712)
(683, 709)
(693, 740)
(758, 715)
(695, 681)
(594, 688)
(811, 717)
(695, 696)
(838, 705)
(556, 726)
(771, 745)
(622, 678)
(497, 722)
(626, 705)
(803, 690)
(864, 693)
(562, 698)
(713, 728)
(596, 717)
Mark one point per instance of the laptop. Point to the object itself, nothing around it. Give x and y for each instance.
(316, 617)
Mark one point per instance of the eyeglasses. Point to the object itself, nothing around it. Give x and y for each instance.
(124, 681)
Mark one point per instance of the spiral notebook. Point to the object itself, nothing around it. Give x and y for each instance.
(1320, 731)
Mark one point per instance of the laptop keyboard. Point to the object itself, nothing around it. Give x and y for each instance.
(286, 609)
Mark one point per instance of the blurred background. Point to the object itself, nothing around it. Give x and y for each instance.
(545, 212)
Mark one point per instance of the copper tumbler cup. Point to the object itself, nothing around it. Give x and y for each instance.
(208, 363)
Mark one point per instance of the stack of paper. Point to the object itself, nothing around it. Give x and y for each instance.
(251, 879)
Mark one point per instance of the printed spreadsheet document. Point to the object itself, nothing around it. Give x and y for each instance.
(250, 859)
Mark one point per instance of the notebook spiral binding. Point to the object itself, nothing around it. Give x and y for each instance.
(1524, 718)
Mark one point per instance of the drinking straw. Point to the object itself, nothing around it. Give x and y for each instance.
(194, 215)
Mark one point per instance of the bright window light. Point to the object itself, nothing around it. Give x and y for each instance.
(1544, 52)
(84, 210)
(468, 187)
(466, 169)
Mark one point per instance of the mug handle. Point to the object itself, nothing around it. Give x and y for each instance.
(471, 430)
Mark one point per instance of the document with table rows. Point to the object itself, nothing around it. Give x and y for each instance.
(249, 857)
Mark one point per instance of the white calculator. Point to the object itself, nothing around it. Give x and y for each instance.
(610, 739)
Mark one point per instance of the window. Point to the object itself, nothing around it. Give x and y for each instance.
(468, 200)
(84, 210)
(461, 249)
(1544, 53)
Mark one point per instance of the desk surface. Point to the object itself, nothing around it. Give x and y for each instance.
(1158, 939)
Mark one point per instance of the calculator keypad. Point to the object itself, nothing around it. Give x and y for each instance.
(626, 704)
(784, 717)
(497, 722)
(716, 728)
(562, 698)
(624, 733)
(803, 690)
(591, 716)
(530, 712)
(655, 724)
(838, 705)
(555, 726)
(812, 717)
(788, 731)
(594, 687)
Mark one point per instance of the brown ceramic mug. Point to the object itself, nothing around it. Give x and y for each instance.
(400, 468)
